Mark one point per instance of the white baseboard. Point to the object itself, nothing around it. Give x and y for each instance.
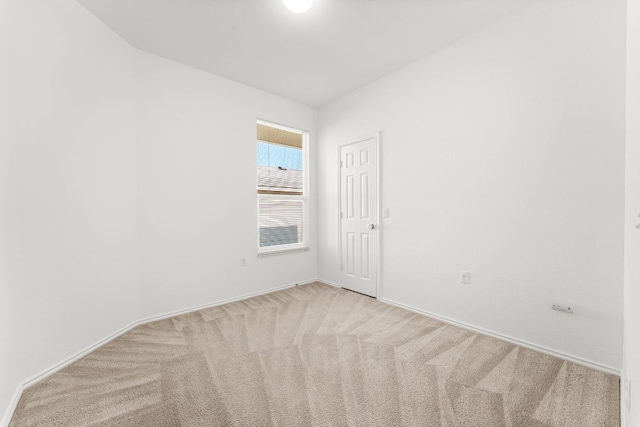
(326, 282)
(55, 368)
(548, 351)
(52, 370)
(12, 406)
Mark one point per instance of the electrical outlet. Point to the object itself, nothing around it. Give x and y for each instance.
(385, 213)
(465, 277)
(566, 308)
(243, 262)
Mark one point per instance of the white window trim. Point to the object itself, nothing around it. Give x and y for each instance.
(296, 247)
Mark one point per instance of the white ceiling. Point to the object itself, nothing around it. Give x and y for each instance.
(313, 58)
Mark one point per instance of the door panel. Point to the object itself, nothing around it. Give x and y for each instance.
(364, 196)
(350, 254)
(366, 253)
(358, 213)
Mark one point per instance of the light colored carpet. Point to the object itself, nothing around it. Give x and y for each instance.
(317, 355)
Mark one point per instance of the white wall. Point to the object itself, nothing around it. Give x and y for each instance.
(632, 236)
(504, 155)
(68, 245)
(197, 184)
(100, 147)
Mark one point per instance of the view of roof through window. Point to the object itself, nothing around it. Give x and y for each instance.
(280, 169)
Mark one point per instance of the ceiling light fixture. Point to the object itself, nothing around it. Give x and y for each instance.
(297, 6)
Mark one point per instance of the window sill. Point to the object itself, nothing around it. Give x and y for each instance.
(282, 252)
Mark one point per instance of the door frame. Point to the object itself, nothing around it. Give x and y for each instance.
(377, 136)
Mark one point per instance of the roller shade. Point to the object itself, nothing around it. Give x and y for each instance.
(279, 136)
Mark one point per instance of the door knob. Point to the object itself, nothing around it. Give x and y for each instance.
(371, 226)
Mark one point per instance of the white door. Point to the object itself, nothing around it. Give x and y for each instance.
(359, 232)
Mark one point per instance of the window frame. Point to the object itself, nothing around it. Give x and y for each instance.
(304, 198)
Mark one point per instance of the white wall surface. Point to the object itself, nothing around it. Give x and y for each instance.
(502, 155)
(96, 155)
(198, 209)
(632, 236)
(68, 245)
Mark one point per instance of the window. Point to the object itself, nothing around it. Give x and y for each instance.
(281, 189)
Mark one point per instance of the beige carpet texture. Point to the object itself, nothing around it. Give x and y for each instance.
(315, 355)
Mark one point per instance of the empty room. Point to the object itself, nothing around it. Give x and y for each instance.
(320, 213)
